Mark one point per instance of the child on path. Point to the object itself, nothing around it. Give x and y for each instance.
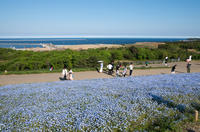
(124, 71)
(70, 74)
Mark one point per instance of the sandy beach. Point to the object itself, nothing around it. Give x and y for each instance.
(74, 47)
(92, 46)
(87, 46)
(51, 77)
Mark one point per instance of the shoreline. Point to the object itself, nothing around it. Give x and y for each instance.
(73, 47)
(50, 47)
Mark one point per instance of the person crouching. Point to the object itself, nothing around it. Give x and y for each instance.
(173, 69)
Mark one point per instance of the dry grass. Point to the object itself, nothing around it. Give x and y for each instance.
(153, 45)
(191, 127)
(194, 50)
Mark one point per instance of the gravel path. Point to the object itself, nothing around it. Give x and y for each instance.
(51, 77)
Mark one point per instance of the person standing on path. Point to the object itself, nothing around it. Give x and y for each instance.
(179, 58)
(112, 70)
(51, 68)
(109, 66)
(146, 63)
(131, 69)
(190, 58)
(188, 67)
(117, 70)
(166, 60)
(101, 67)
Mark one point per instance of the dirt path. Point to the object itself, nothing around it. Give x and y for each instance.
(51, 77)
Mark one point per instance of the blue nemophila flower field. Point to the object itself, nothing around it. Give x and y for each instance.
(98, 105)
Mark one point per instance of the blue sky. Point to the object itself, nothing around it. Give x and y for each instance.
(99, 18)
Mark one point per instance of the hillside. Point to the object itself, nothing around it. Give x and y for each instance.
(13, 60)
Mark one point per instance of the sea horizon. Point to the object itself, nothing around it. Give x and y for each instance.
(37, 42)
(90, 36)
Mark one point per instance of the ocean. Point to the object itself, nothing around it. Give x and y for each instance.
(36, 42)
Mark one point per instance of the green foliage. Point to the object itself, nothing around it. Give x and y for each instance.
(116, 55)
(13, 60)
(181, 45)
